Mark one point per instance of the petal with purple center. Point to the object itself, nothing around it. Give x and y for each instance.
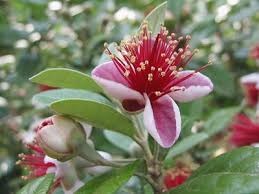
(162, 120)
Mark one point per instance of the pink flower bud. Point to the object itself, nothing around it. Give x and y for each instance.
(60, 137)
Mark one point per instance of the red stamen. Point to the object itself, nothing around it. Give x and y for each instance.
(150, 64)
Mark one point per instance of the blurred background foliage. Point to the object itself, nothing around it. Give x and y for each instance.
(38, 34)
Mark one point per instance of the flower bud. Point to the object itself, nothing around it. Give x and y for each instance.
(60, 137)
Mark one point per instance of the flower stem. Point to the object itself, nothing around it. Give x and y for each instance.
(91, 155)
(154, 170)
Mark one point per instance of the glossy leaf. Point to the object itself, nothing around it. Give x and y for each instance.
(156, 17)
(221, 183)
(97, 113)
(40, 185)
(66, 78)
(109, 182)
(242, 160)
(48, 97)
(234, 172)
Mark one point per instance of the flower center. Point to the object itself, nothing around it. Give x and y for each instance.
(151, 64)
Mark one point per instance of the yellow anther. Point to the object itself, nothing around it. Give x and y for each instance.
(112, 56)
(180, 38)
(150, 77)
(162, 73)
(172, 68)
(162, 54)
(105, 45)
(146, 62)
(132, 59)
(188, 37)
(143, 66)
(126, 73)
(180, 69)
(159, 69)
(158, 93)
(138, 69)
(153, 68)
(180, 50)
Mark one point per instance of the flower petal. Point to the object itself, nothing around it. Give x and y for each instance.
(162, 120)
(196, 86)
(250, 78)
(116, 86)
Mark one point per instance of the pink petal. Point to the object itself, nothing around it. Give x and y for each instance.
(114, 84)
(196, 86)
(162, 120)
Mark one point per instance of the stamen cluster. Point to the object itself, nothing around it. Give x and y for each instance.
(151, 64)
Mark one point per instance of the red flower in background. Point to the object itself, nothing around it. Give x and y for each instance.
(250, 85)
(176, 176)
(244, 131)
(254, 53)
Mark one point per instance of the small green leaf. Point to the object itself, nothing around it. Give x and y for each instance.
(219, 120)
(186, 144)
(66, 78)
(121, 141)
(156, 17)
(109, 182)
(40, 185)
(48, 97)
(96, 113)
(234, 172)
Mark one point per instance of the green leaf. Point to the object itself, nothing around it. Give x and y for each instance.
(156, 17)
(48, 97)
(234, 172)
(221, 183)
(242, 160)
(66, 78)
(219, 120)
(121, 141)
(176, 7)
(109, 182)
(185, 144)
(97, 113)
(40, 185)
